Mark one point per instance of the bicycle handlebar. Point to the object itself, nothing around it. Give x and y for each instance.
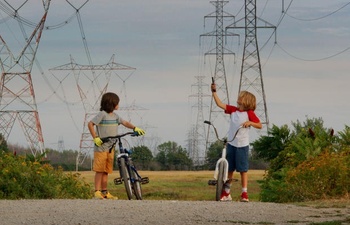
(217, 135)
(119, 136)
(207, 122)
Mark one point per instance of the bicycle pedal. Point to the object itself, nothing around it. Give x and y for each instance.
(144, 180)
(118, 181)
(212, 182)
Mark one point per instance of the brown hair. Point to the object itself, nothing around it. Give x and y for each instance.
(248, 100)
(109, 101)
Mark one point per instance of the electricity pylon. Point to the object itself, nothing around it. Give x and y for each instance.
(196, 142)
(90, 93)
(218, 51)
(17, 98)
(251, 78)
(60, 144)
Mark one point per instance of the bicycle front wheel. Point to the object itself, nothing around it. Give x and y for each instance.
(136, 184)
(126, 177)
(220, 181)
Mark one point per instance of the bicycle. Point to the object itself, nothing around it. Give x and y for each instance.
(127, 170)
(221, 168)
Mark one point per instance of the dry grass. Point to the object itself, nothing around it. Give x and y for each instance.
(193, 186)
(181, 185)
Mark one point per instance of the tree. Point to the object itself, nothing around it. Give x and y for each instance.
(268, 147)
(173, 157)
(213, 154)
(344, 137)
(3, 144)
(142, 157)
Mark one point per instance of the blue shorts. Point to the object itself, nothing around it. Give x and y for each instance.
(238, 158)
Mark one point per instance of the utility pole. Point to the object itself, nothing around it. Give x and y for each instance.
(17, 98)
(251, 78)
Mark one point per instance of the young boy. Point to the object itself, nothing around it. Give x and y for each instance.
(238, 149)
(106, 123)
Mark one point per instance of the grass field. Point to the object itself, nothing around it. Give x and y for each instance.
(181, 185)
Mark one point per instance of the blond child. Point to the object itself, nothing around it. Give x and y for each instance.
(238, 149)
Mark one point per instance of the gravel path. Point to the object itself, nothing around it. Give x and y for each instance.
(95, 212)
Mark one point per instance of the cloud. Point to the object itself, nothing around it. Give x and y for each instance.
(160, 38)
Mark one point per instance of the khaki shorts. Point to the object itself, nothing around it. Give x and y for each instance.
(103, 162)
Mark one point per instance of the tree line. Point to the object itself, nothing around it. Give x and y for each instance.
(170, 156)
(307, 161)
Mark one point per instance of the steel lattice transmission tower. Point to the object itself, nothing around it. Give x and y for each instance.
(17, 98)
(197, 141)
(92, 82)
(251, 78)
(219, 51)
(60, 144)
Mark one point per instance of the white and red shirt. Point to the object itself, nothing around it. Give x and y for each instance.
(237, 118)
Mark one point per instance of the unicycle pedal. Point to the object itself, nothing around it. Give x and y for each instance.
(144, 180)
(118, 181)
(212, 182)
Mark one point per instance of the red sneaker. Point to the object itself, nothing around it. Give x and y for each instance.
(244, 197)
(225, 196)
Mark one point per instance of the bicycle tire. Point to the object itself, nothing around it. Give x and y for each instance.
(136, 185)
(220, 181)
(126, 177)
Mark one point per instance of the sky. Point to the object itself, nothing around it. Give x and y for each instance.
(305, 69)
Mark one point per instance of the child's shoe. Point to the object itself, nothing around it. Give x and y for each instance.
(225, 194)
(98, 195)
(109, 196)
(244, 197)
(225, 197)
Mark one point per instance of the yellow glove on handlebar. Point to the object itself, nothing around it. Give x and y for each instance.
(139, 131)
(98, 142)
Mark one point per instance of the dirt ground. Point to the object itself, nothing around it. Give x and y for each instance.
(95, 212)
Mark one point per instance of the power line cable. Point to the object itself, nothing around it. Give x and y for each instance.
(13, 13)
(321, 17)
(310, 60)
(263, 10)
(313, 60)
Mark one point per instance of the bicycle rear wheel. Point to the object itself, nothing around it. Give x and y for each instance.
(220, 181)
(126, 177)
(136, 184)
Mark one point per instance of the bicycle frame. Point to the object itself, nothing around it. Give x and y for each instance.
(123, 153)
(128, 173)
(224, 160)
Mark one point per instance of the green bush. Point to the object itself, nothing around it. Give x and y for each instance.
(313, 164)
(325, 176)
(26, 178)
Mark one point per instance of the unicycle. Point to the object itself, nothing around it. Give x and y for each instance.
(221, 168)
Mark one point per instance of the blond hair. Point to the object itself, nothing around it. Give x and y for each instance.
(248, 100)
